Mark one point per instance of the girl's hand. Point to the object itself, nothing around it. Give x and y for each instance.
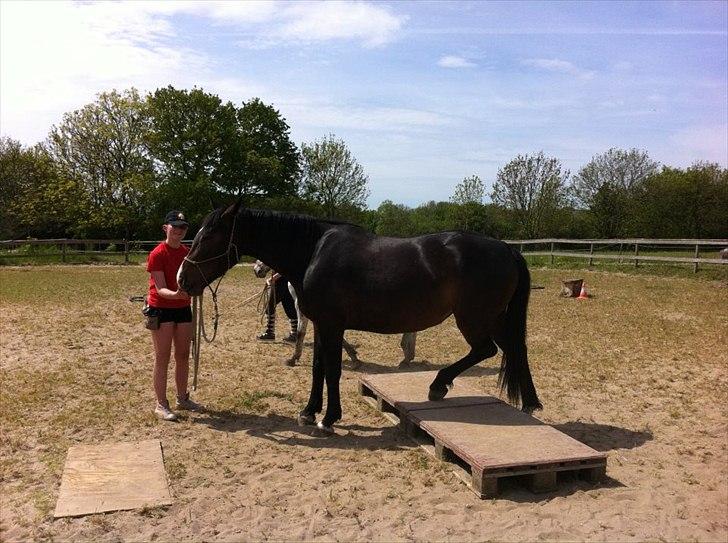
(181, 295)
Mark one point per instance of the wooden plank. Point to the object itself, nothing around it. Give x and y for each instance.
(484, 439)
(112, 477)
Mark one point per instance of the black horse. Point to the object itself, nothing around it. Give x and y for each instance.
(349, 279)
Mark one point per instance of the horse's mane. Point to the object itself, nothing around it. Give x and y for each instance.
(283, 223)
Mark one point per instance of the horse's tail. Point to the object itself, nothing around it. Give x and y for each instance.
(515, 375)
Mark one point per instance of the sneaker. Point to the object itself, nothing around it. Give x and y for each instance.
(186, 404)
(164, 413)
(267, 336)
(291, 338)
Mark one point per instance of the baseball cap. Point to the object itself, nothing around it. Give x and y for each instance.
(176, 218)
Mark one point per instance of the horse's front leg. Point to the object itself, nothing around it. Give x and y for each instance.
(316, 399)
(331, 343)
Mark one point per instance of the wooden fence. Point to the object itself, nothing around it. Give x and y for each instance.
(634, 251)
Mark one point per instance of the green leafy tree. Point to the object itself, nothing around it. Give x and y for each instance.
(534, 188)
(683, 203)
(394, 220)
(332, 177)
(101, 148)
(469, 190)
(34, 200)
(606, 186)
(268, 163)
(196, 147)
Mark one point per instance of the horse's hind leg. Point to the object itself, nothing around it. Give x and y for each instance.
(351, 351)
(477, 334)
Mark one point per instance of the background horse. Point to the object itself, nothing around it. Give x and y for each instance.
(349, 279)
(408, 342)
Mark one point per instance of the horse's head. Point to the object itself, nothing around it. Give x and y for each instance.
(213, 251)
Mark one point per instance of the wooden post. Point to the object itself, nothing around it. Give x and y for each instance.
(126, 251)
(552, 253)
(63, 250)
(591, 252)
(697, 255)
(636, 254)
(620, 253)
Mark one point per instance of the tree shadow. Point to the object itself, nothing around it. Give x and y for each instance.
(604, 437)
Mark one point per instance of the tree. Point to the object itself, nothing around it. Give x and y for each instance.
(394, 220)
(194, 141)
(101, 148)
(332, 177)
(606, 185)
(34, 200)
(677, 203)
(268, 159)
(534, 187)
(470, 189)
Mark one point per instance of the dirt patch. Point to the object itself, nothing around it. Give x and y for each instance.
(638, 371)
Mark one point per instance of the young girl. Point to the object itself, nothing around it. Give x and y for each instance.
(169, 316)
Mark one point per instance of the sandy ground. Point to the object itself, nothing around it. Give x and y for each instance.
(638, 371)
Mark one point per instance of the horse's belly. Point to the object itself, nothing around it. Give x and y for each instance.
(388, 318)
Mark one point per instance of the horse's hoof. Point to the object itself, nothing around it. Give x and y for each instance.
(325, 430)
(437, 394)
(405, 364)
(290, 362)
(306, 420)
(355, 363)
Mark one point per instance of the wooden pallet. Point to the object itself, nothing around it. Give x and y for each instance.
(485, 439)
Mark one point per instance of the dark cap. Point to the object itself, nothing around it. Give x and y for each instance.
(176, 218)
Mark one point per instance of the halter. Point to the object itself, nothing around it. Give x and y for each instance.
(208, 284)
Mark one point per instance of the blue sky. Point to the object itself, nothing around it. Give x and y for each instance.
(423, 93)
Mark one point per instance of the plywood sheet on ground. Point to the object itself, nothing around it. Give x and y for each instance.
(112, 477)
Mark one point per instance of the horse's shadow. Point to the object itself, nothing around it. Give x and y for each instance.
(285, 430)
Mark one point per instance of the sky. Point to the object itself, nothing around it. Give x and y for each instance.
(423, 93)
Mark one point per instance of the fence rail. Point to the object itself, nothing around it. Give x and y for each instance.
(629, 250)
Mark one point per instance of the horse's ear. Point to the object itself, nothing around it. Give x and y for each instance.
(213, 203)
(236, 206)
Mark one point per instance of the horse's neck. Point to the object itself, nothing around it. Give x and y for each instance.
(282, 242)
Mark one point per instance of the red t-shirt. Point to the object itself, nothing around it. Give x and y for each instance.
(168, 260)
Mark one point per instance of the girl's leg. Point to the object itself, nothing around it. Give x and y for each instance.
(182, 338)
(162, 339)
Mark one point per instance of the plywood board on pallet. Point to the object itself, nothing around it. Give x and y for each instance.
(408, 391)
(493, 437)
(112, 477)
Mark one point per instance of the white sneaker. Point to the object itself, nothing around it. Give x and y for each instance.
(164, 413)
(186, 404)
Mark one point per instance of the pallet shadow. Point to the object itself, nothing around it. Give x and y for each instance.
(604, 437)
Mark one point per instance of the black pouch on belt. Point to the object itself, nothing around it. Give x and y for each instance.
(152, 317)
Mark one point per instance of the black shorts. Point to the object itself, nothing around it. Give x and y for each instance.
(177, 314)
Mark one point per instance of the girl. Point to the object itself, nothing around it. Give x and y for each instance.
(169, 316)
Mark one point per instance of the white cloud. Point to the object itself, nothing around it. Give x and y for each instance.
(452, 61)
(56, 56)
(559, 66)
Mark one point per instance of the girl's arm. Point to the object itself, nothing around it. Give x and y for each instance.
(161, 283)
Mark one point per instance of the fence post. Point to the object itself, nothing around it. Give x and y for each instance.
(620, 253)
(636, 254)
(63, 250)
(697, 252)
(591, 252)
(552, 253)
(126, 251)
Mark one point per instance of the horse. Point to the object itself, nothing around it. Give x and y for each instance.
(408, 342)
(347, 278)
